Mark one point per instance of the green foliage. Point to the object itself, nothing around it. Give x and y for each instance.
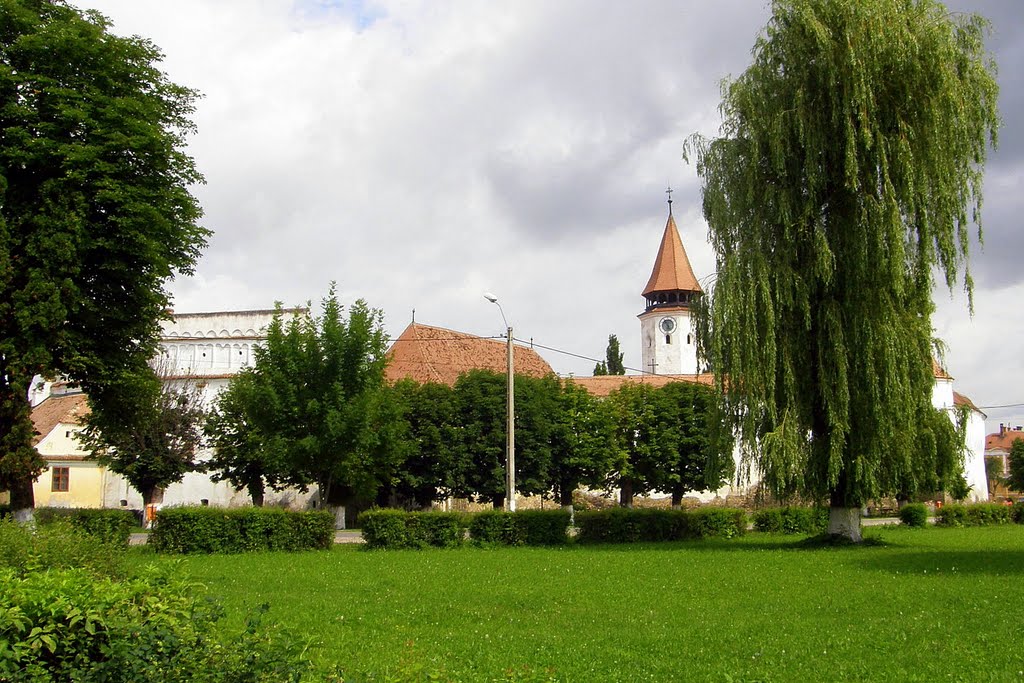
(434, 466)
(494, 528)
(1015, 465)
(242, 456)
(315, 399)
(582, 451)
(397, 529)
(236, 530)
(65, 624)
(914, 515)
(525, 527)
(667, 438)
(791, 520)
(56, 545)
(1017, 512)
(978, 514)
(147, 429)
(623, 525)
(847, 174)
(96, 213)
(612, 364)
(109, 526)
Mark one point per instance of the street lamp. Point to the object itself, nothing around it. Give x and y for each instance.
(510, 427)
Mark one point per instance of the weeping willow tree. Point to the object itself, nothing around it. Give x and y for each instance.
(846, 177)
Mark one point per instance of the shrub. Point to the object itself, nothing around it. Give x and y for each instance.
(622, 525)
(1017, 512)
(495, 527)
(914, 515)
(979, 514)
(58, 545)
(396, 529)
(109, 525)
(792, 520)
(235, 530)
(544, 527)
(716, 523)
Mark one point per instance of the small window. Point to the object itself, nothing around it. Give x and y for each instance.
(689, 339)
(668, 338)
(60, 478)
(67, 434)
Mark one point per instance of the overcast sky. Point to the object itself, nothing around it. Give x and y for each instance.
(421, 153)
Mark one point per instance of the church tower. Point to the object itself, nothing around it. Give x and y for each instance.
(666, 330)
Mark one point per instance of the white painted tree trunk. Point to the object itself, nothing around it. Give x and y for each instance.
(339, 515)
(845, 522)
(572, 514)
(25, 516)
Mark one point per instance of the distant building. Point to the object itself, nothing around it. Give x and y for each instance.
(435, 354)
(998, 445)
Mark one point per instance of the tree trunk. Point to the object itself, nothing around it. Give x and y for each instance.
(844, 522)
(257, 491)
(498, 501)
(339, 515)
(565, 491)
(23, 501)
(152, 498)
(626, 493)
(677, 499)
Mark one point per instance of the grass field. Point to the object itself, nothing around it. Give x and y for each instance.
(928, 605)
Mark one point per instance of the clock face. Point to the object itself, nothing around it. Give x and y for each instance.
(667, 325)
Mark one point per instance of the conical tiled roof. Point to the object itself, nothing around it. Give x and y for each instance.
(672, 271)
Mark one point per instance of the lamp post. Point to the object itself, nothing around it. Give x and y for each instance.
(510, 427)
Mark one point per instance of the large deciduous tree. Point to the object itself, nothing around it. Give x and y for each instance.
(148, 429)
(1015, 479)
(315, 399)
(95, 210)
(847, 174)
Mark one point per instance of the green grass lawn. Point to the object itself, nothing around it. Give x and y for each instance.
(928, 605)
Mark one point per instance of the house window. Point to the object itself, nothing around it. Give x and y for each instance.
(60, 478)
(668, 338)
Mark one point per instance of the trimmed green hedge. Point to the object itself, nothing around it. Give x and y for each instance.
(978, 514)
(914, 515)
(237, 530)
(525, 527)
(792, 520)
(622, 525)
(394, 529)
(109, 525)
(1017, 512)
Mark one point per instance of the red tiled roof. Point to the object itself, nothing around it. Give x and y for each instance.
(1003, 441)
(69, 409)
(961, 400)
(672, 269)
(435, 354)
(939, 371)
(603, 385)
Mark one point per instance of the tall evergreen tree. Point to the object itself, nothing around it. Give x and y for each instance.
(847, 174)
(95, 211)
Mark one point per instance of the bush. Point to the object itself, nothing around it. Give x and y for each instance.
(396, 529)
(58, 545)
(84, 619)
(109, 525)
(1017, 512)
(526, 527)
(496, 527)
(979, 514)
(235, 530)
(914, 515)
(792, 520)
(622, 525)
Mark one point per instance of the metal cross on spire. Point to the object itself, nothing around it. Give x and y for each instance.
(669, 193)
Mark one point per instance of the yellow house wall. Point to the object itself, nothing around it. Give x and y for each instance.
(85, 478)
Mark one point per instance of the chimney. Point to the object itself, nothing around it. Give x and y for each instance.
(1002, 429)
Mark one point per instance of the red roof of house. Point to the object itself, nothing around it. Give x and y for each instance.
(435, 354)
(672, 270)
(961, 400)
(55, 410)
(1003, 440)
(603, 385)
